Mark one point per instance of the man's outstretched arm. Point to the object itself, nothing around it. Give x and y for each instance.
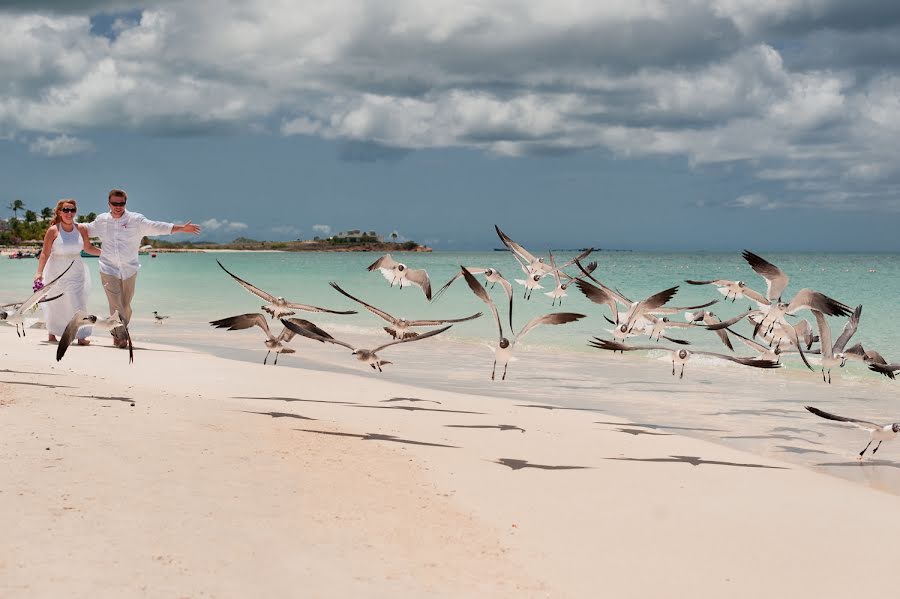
(187, 227)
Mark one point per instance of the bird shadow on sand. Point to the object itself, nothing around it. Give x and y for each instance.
(791, 429)
(279, 415)
(499, 427)
(376, 437)
(665, 427)
(46, 385)
(514, 464)
(776, 436)
(862, 463)
(640, 431)
(696, 461)
(800, 450)
(410, 399)
(543, 407)
(8, 371)
(765, 412)
(290, 399)
(121, 398)
(417, 409)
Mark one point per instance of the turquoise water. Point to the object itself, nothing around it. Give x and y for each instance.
(756, 410)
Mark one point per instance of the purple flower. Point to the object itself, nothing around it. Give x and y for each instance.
(38, 285)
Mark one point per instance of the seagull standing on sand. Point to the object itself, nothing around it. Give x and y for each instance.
(397, 272)
(17, 316)
(83, 319)
(877, 432)
(158, 317)
(399, 328)
(504, 349)
(369, 356)
(273, 343)
(278, 307)
(681, 356)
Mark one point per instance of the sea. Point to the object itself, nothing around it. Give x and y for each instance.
(760, 411)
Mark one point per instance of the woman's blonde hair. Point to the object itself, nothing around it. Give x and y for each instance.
(59, 206)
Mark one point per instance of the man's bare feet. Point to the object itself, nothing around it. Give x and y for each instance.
(51, 339)
(84, 342)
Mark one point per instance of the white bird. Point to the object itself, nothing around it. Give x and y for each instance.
(83, 319)
(397, 272)
(559, 291)
(533, 264)
(833, 355)
(680, 356)
(531, 280)
(877, 432)
(369, 356)
(273, 344)
(504, 349)
(279, 307)
(17, 316)
(491, 275)
(399, 328)
(706, 317)
(158, 317)
(732, 290)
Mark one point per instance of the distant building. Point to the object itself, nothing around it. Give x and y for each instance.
(4, 225)
(356, 236)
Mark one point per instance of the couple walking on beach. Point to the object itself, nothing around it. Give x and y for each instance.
(120, 233)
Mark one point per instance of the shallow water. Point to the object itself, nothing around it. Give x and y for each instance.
(756, 410)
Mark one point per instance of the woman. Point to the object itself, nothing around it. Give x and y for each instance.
(62, 244)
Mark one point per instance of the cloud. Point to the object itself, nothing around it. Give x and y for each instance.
(753, 200)
(61, 145)
(213, 224)
(322, 229)
(714, 81)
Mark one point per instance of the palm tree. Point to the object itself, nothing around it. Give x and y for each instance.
(16, 206)
(46, 213)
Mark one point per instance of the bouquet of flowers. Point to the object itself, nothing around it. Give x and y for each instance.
(38, 285)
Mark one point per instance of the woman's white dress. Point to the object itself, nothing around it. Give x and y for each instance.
(75, 285)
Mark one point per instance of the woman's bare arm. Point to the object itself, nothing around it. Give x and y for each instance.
(88, 246)
(49, 238)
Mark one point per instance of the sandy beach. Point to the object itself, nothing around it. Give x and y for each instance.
(189, 475)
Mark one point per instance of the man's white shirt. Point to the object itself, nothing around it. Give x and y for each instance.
(120, 240)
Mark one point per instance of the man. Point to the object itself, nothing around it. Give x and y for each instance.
(120, 233)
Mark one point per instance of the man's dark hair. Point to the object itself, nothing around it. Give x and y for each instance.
(118, 193)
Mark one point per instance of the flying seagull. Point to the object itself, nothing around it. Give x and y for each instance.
(491, 275)
(17, 317)
(399, 328)
(397, 272)
(833, 355)
(83, 319)
(279, 307)
(877, 432)
(681, 356)
(369, 356)
(732, 290)
(504, 349)
(273, 344)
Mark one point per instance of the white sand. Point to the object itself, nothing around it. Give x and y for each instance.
(186, 494)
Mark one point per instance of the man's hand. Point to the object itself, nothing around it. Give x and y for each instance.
(187, 227)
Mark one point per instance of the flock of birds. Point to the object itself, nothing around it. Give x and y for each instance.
(773, 336)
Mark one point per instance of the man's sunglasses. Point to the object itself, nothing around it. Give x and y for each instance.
(116, 204)
(68, 210)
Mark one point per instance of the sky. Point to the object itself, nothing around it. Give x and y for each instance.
(635, 124)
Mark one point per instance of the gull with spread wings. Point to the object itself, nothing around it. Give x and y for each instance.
(273, 344)
(491, 275)
(833, 355)
(279, 307)
(877, 432)
(504, 349)
(399, 328)
(83, 319)
(17, 316)
(369, 356)
(397, 272)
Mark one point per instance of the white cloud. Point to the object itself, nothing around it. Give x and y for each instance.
(753, 200)
(323, 229)
(61, 145)
(700, 79)
(213, 224)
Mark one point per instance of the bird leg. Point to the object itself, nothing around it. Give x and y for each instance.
(276, 359)
(494, 370)
(504, 371)
(876, 448)
(864, 450)
(829, 376)
(823, 375)
(673, 367)
(379, 367)
(373, 367)
(681, 376)
(266, 358)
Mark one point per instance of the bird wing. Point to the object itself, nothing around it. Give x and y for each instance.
(310, 334)
(243, 321)
(727, 323)
(668, 310)
(598, 295)
(710, 318)
(41, 293)
(418, 276)
(584, 254)
(755, 362)
(591, 267)
(515, 247)
(615, 294)
(807, 298)
(824, 334)
(507, 287)
(410, 339)
(756, 296)
(369, 307)
(79, 319)
(248, 286)
(308, 308)
(599, 343)
(885, 369)
(482, 294)
(775, 278)
(717, 282)
(863, 424)
(747, 341)
(288, 334)
(848, 331)
(555, 318)
(434, 323)
(384, 262)
(651, 303)
(473, 270)
(555, 270)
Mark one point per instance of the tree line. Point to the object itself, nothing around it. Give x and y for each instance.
(33, 225)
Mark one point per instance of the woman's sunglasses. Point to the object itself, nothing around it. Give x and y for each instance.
(116, 204)
(69, 210)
